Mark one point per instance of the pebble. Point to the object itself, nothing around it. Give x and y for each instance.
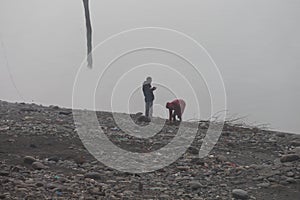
(259, 178)
(271, 179)
(281, 134)
(94, 190)
(289, 158)
(263, 185)
(221, 158)
(32, 146)
(39, 184)
(65, 112)
(11, 140)
(290, 174)
(93, 175)
(165, 196)
(128, 193)
(157, 188)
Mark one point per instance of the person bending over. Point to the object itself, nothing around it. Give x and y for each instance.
(176, 108)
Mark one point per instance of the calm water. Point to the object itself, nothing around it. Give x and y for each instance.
(255, 44)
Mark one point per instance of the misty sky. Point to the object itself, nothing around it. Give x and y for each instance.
(255, 44)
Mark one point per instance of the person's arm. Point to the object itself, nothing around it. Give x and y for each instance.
(179, 117)
(174, 116)
(177, 110)
(153, 88)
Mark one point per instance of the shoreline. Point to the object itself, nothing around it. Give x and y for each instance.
(188, 121)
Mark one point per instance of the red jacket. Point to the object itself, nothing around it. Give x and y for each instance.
(178, 105)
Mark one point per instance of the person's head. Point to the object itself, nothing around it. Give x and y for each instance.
(148, 79)
(169, 105)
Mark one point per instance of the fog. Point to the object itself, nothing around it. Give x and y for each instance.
(254, 43)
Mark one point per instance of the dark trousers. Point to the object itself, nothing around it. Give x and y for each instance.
(149, 109)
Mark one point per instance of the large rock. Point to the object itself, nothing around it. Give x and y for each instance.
(143, 119)
(38, 165)
(193, 150)
(240, 194)
(195, 185)
(295, 143)
(4, 173)
(289, 158)
(53, 158)
(291, 180)
(135, 116)
(297, 151)
(29, 160)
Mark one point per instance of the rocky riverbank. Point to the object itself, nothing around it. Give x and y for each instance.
(42, 157)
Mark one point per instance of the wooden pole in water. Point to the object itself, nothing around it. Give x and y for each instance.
(88, 33)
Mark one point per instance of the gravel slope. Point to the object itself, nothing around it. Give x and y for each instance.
(42, 157)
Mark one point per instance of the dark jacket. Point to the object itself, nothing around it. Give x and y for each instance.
(148, 92)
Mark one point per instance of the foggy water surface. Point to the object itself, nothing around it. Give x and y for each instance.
(255, 44)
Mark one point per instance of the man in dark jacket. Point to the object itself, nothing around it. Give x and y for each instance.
(149, 96)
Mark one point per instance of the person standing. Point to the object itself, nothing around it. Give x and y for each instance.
(149, 97)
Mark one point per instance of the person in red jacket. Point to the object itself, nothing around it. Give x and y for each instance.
(176, 108)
